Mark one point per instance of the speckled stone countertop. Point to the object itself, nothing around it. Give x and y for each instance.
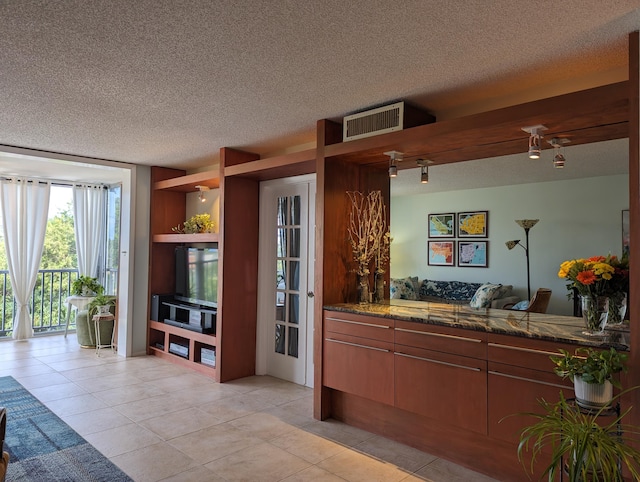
(565, 329)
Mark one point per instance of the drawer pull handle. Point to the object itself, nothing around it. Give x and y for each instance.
(339, 320)
(473, 369)
(515, 377)
(442, 335)
(518, 348)
(357, 345)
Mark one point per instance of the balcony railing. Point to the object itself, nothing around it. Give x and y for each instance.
(47, 307)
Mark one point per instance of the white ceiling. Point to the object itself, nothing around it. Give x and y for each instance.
(167, 82)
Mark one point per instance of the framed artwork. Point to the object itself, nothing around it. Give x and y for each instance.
(625, 232)
(442, 225)
(473, 254)
(441, 253)
(473, 224)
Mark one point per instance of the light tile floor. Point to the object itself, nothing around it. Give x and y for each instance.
(158, 421)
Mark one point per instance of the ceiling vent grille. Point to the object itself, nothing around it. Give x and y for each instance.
(389, 118)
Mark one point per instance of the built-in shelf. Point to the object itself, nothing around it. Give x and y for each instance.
(188, 183)
(186, 238)
(287, 165)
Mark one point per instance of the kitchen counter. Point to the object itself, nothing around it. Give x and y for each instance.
(549, 327)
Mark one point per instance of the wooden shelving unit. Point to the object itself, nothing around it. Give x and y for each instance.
(168, 207)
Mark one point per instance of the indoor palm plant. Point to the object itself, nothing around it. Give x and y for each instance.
(586, 450)
(592, 373)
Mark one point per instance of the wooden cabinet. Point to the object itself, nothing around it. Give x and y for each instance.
(520, 373)
(168, 209)
(439, 382)
(358, 356)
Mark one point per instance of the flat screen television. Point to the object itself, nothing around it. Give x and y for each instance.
(197, 275)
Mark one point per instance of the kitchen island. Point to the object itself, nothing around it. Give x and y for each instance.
(442, 378)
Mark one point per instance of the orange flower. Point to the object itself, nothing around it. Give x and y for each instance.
(597, 259)
(586, 277)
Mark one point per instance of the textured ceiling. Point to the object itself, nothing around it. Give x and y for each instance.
(169, 82)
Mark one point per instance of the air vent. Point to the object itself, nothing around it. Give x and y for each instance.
(390, 118)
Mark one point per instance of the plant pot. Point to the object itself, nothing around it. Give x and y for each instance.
(86, 330)
(592, 395)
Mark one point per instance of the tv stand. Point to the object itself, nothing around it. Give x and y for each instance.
(191, 317)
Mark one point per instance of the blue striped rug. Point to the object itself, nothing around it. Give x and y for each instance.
(44, 448)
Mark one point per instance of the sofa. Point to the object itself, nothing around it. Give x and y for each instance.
(476, 295)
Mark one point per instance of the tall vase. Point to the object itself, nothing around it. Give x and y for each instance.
(595, 310)
(617, 308)
(378, 293)
(363, 289)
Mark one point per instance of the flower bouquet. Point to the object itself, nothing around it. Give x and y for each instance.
(592, 278)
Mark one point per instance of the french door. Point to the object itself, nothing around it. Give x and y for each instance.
(285, 292)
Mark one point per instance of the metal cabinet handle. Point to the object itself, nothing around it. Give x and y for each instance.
(442, 335)
(357, 345)
(359, 323)
(515, 377)
(439, 362)
(518, 348)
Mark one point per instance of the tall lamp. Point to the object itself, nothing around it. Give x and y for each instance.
(525, 224)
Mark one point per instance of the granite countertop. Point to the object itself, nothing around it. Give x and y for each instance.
(565, 329)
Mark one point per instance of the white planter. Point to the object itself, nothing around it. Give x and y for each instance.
(592, 395)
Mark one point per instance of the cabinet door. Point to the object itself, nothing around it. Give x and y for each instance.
(359, 366)
(451, 389)
(515, 390)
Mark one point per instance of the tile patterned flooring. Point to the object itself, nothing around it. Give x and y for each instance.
(161, 422)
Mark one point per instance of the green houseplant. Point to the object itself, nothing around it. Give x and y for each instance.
(86, 286)
(592, 373)
(101, 300)
(585, 450)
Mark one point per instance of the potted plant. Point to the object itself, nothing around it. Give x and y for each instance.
(86, 286)
(592, 373)
(584, 449)
(101, 304)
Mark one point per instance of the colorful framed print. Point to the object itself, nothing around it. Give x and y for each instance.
(473, 254)
(442, 225)
(441, 253)
(474, 224)
(625, 232)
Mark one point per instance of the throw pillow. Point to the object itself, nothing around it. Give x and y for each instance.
(504, 291)
(401, 289)
(484, 295)
(521, 305)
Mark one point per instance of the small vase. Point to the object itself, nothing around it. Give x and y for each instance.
(363, 289)
(378, 294)
(617, 308)
(595, 310)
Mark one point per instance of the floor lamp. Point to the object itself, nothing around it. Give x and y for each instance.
(525, 224)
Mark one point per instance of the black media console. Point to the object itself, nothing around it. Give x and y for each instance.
(190, 317)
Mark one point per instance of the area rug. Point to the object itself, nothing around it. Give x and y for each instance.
(44, 448)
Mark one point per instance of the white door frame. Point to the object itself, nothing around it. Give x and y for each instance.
(265, 276)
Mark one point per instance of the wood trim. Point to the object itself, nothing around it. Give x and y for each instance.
(327, 133)
(186, 238)
(584, 117)
(191, 335)
(288, 165)
(188, 183)
(634, 220)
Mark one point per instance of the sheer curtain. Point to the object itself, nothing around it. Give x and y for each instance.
(25, 206)
(90, 225)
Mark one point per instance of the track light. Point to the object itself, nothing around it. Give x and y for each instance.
(202, 190)
(424, 170)
(394, 156)
(557, 143)
(534, 140)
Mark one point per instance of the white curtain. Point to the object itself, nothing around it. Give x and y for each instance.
(90, 226)
(25, 206)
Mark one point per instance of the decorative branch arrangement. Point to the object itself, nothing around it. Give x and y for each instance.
(368, 231)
